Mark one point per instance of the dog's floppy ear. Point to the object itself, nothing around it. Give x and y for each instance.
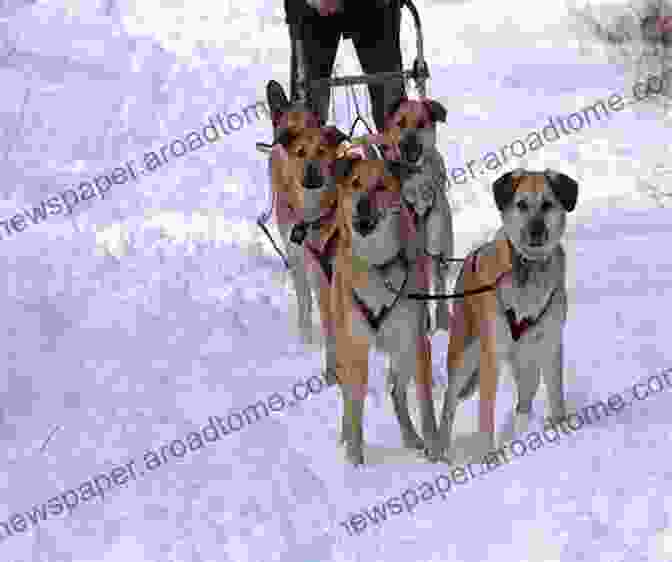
(400, 169)
(276, 97)
(436, 111)
(342, 167)
(504, 189)
(564, 188)
(335, 136)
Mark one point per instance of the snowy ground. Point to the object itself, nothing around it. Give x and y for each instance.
(138, 317)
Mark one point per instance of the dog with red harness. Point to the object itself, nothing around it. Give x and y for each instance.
(301, 174)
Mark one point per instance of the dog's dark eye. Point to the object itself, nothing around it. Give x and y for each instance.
(522, 205)
(301, 152)
(356, 183)
(402, 123)
(546, 206)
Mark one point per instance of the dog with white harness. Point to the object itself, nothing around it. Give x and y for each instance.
(371, 273)
(521, 319)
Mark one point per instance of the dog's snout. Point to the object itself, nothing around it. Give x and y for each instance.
(411, 149)
(313, 176)
(364, 208)
(537, 227)
(366, 221)
(538, 231)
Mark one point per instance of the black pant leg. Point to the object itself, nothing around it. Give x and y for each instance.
(382, 53)
(314, 46)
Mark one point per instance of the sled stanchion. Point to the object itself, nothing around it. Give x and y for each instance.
(369, 78)
(420, 68)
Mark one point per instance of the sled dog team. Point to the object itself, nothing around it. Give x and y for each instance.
(370, 237)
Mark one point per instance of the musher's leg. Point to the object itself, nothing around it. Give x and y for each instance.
(314, 45)
(379, 50)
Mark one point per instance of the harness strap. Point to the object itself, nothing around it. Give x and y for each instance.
(324, 256)
(519, 328)
(376, 321)
(300, 229)
(426, 297)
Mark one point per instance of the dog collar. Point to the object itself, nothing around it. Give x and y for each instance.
(300, 230)
(324, 256)
(519, 328)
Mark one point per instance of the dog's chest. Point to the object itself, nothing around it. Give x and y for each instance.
(375, 295)
(527, 297)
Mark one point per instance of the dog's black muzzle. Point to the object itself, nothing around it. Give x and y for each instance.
(367, 219)
(538, 232)
(313, 178)
(410, 148)
(298, 234)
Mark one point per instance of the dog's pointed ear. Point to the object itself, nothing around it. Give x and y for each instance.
(342, 167)
(564, 188)
(436, 111)
(503, 189)
(276, 97)
(395, 106)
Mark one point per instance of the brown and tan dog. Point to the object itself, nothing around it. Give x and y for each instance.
(369, 258)
(410, 135)
(521, 319)
(301, 174)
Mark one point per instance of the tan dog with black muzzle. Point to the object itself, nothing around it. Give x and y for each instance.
(301, 173)
(370, 269)
(522, 318)
(410, 135)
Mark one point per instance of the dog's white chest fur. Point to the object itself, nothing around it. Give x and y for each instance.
(530, 299)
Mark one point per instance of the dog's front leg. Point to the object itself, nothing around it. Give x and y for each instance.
(355, 385)
(328, 332)
(526, 374)
(424, 392)
(300, 281)
(352, 365)
(456, 378)
(399, 373)
(553, 378)
(489, 369)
